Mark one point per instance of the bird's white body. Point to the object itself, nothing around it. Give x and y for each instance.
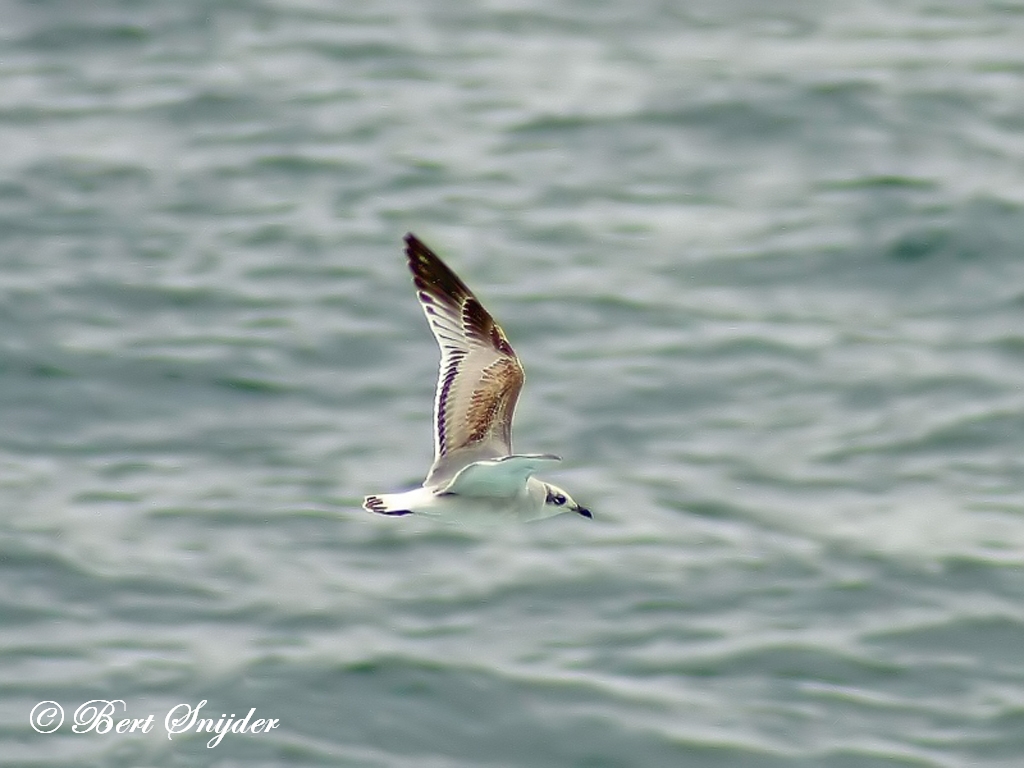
(475, 475)
(523, 507)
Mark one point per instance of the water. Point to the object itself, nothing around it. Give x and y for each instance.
(763, 266)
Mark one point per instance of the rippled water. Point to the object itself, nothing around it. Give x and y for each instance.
(763, 266)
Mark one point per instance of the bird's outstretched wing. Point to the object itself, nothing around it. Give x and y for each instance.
(480, 376)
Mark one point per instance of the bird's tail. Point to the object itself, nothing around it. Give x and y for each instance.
(386, 504)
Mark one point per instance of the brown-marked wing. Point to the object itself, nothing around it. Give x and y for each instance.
(480, 376)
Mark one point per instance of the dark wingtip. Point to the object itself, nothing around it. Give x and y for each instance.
(414, 247)
(432, 276)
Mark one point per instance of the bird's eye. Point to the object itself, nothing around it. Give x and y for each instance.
(559, 499)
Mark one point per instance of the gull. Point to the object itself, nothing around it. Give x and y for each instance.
(475, 475)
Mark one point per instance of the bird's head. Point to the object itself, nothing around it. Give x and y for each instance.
(560, 501)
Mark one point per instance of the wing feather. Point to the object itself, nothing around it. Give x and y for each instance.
(479, 377)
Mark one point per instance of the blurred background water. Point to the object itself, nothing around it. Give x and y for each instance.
(763, 263)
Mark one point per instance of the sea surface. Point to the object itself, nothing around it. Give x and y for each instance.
(763, 262)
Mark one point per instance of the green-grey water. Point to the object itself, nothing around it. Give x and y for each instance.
(763, 263)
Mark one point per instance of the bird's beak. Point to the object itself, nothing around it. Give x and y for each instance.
(583, 511)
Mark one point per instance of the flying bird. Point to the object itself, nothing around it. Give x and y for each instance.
(474, 474)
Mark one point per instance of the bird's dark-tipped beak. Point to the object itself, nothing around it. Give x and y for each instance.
(585, 512)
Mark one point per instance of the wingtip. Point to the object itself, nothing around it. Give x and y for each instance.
(419, 255)
(413, 243)
(539, 456)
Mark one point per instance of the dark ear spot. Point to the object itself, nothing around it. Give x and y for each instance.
(553, 497)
